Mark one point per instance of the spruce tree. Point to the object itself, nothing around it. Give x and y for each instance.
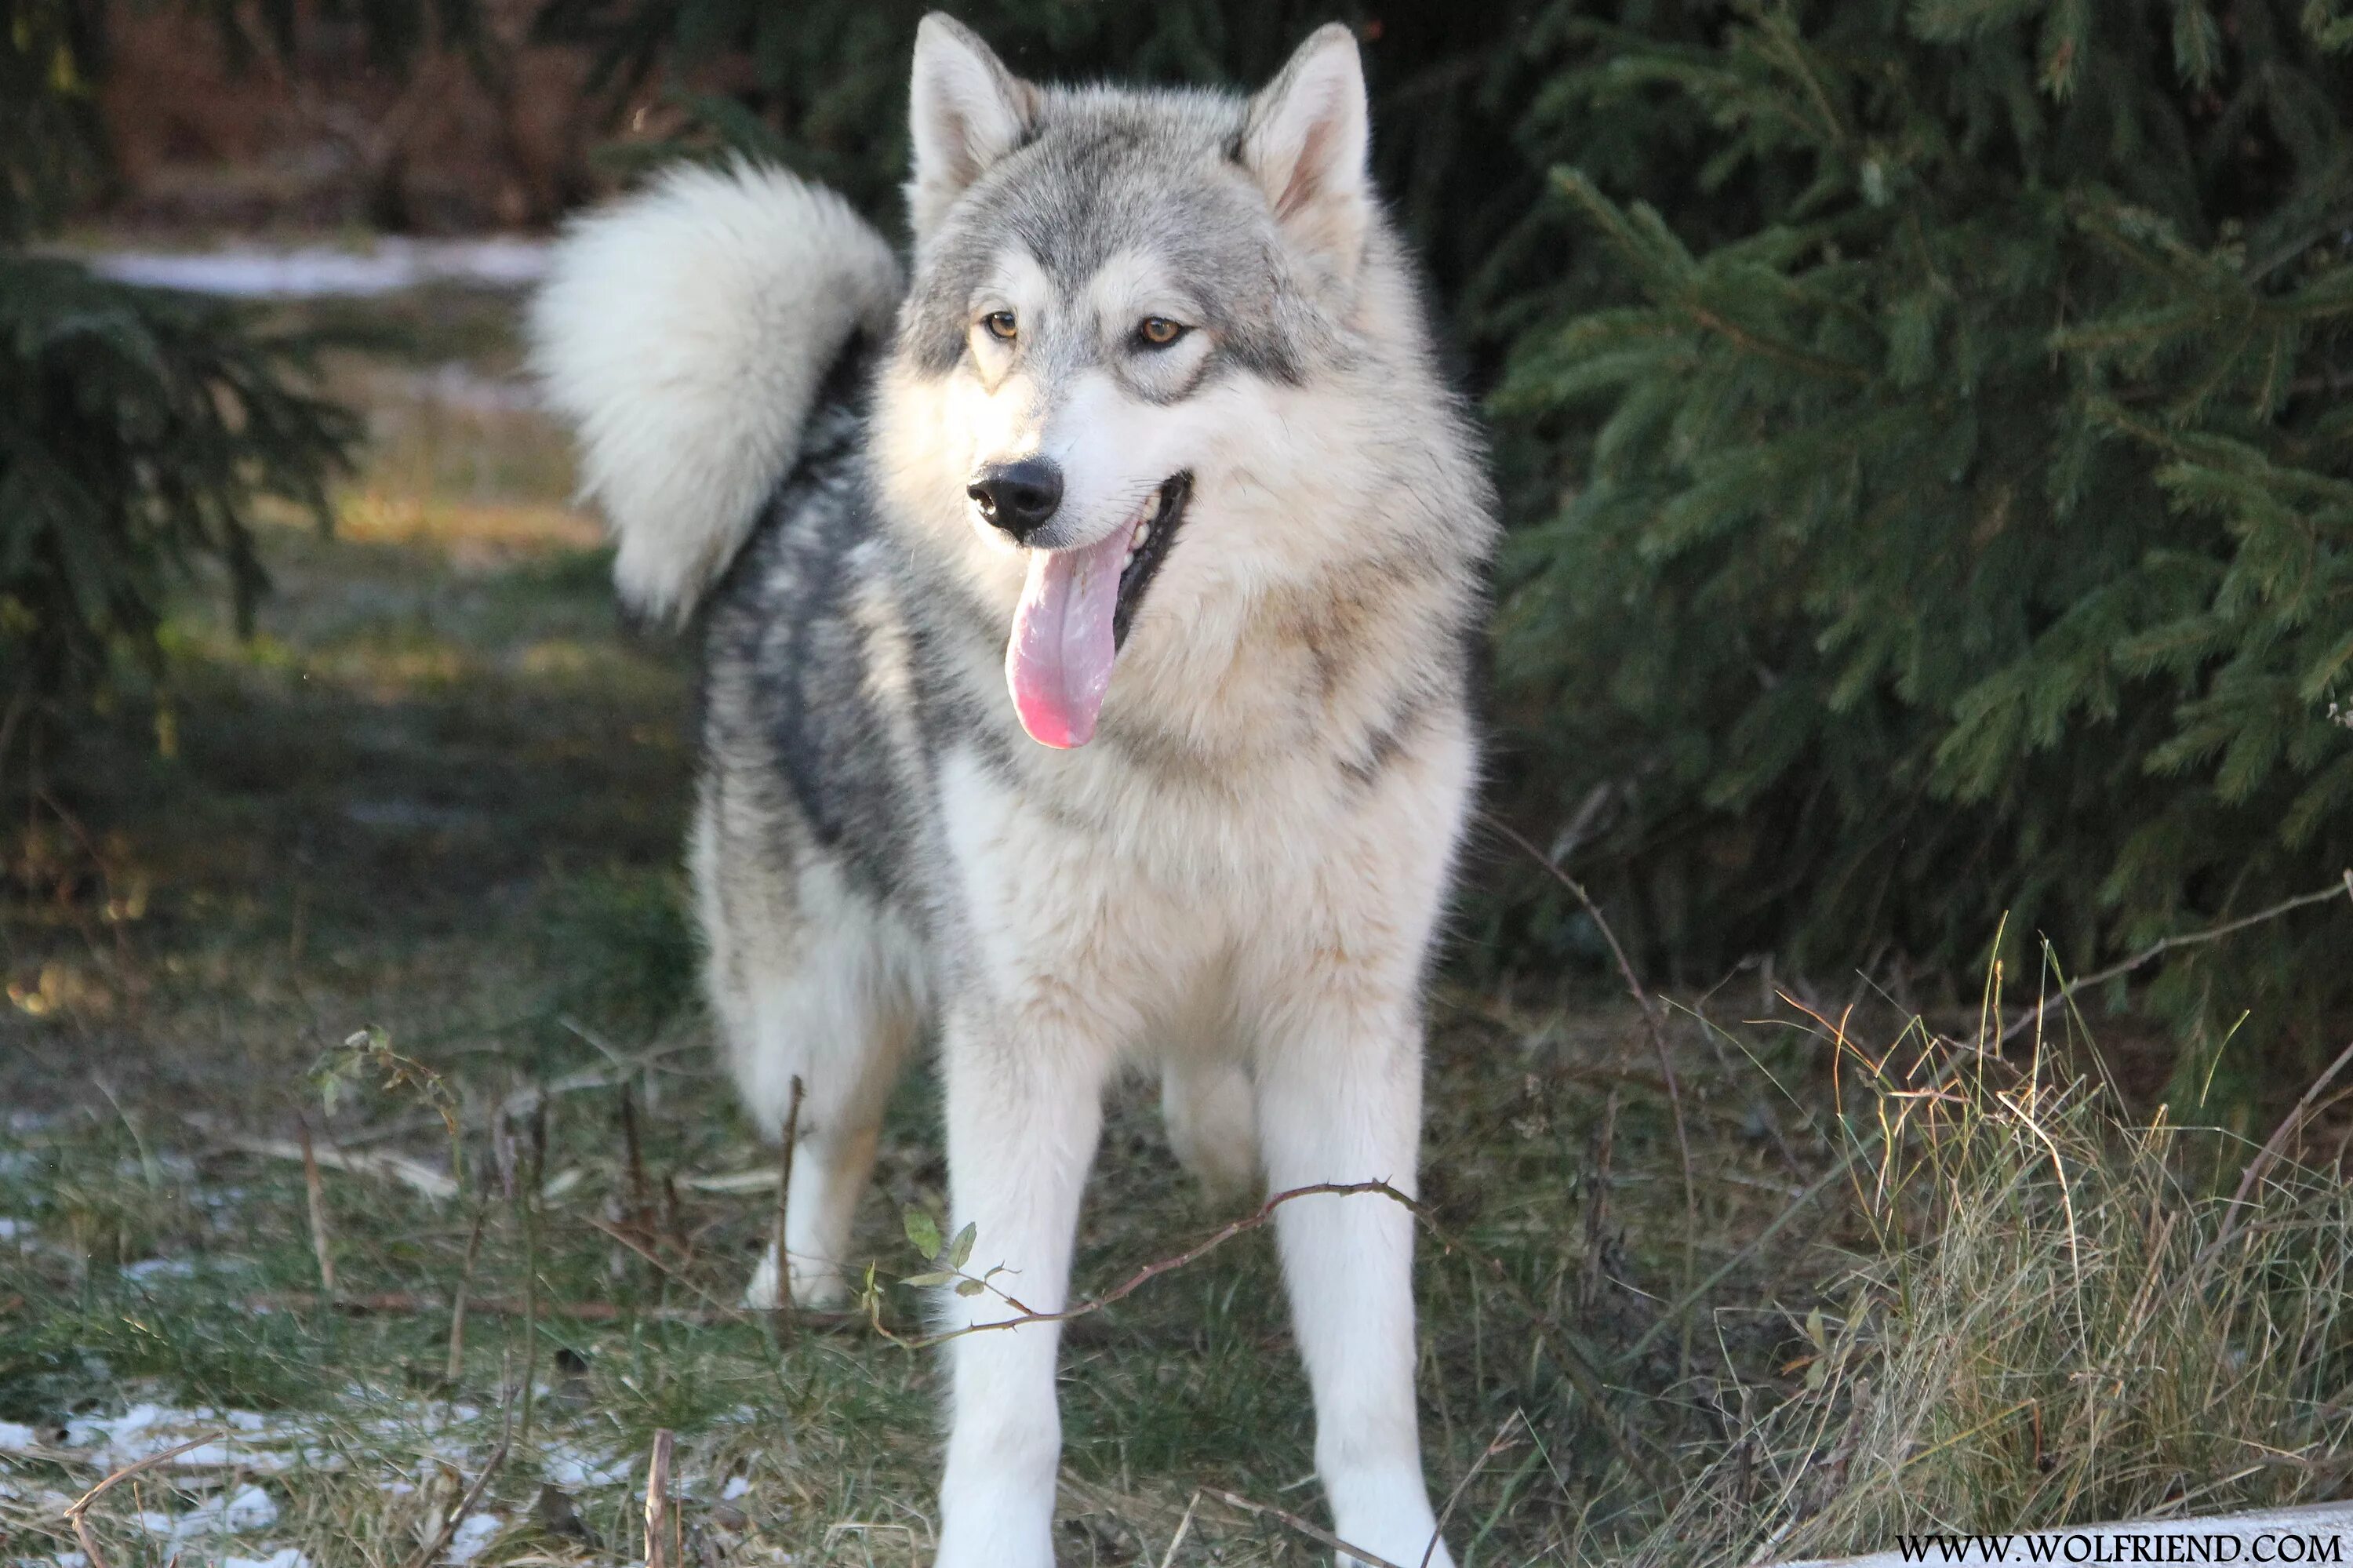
(138, 431)
(1958, 535)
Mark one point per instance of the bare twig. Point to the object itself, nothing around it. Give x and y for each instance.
(660, 1525)
(641, 1204)
(430, 1552)
(457, 1363)
(515, 1104)
(527, 1211)
(1257, 1218)
(674, 1223)
(322, 1245)
(1496, 1445)
(624, 1070)
(1574, 1364)
(1582, 1372)
(758, 1180)
(2268, 1156)
(78, 1512)
(413, 1173)
(1760, 1108)
(721, 1312)
(1596, 1205)
(1315, 1533)
(1653, 1025)
(394, 1303)
(790, 1144)
(2342, 887)
(1183, 1528)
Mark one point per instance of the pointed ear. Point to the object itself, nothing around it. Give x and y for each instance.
(965, 111)
(1305, 142)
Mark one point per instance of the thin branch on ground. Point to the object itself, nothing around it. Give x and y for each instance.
(1183, 1528)
(526, 1206)
(641, 1202)
(1495, 1444)
(2269, 1155)
(432, 1551)
(790, 1144)
(412, 1173)
(1023, 1316)
(1582, 1371)
(720, 1312)
(78, 1512)
(1290, 1521)
(659, 1523)
(316, 1193)
(395, 1303)
(456, 1366)
(1653, 1025)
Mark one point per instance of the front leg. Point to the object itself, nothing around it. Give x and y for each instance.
(1024, 1109)
(1340, 1101)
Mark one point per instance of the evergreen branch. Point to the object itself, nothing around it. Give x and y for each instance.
(1771, 348)
(1619, 229)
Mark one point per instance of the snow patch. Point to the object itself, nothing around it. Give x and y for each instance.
(149, 1268)
(571, 1468)
(318, 271)
(473, 1533)
(249, 1509)
(147, 1428)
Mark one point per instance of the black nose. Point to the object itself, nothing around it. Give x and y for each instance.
(1018, 497)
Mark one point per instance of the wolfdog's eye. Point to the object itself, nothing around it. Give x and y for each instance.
(1159, 332)
(1000, 325)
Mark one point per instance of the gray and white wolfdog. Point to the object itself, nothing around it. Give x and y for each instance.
(1086, 616)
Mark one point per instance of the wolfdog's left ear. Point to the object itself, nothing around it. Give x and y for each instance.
(965, 111)
(1305, 141)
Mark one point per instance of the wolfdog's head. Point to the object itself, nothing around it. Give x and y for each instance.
(1160, 361)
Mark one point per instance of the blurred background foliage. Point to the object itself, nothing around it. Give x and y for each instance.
(1924, 423)
(138, 431)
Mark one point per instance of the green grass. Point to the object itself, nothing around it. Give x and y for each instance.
(439, 797)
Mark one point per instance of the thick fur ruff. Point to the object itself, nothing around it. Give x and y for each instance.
(685, 333)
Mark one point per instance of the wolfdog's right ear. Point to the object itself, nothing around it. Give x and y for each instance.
(966, 111)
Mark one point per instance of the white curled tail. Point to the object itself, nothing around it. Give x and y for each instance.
(684, 333)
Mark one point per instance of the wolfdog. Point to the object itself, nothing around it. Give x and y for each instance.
(1149, 439)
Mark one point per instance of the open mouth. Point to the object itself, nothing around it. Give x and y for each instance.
(1147, 546)
(1075, 610)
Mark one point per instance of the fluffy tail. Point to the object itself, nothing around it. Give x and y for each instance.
(684, 333)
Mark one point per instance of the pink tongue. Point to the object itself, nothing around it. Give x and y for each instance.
(1057, 663)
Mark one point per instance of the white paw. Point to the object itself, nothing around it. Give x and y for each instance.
(819, 1289)
(1391, 1518)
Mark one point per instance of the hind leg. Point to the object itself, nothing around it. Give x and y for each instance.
(811, 979)
(1209, 1106)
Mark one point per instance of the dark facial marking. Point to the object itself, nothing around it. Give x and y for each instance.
(1111, 172)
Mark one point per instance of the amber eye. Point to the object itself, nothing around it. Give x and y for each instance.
(1000, 325)
(1159, 332)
